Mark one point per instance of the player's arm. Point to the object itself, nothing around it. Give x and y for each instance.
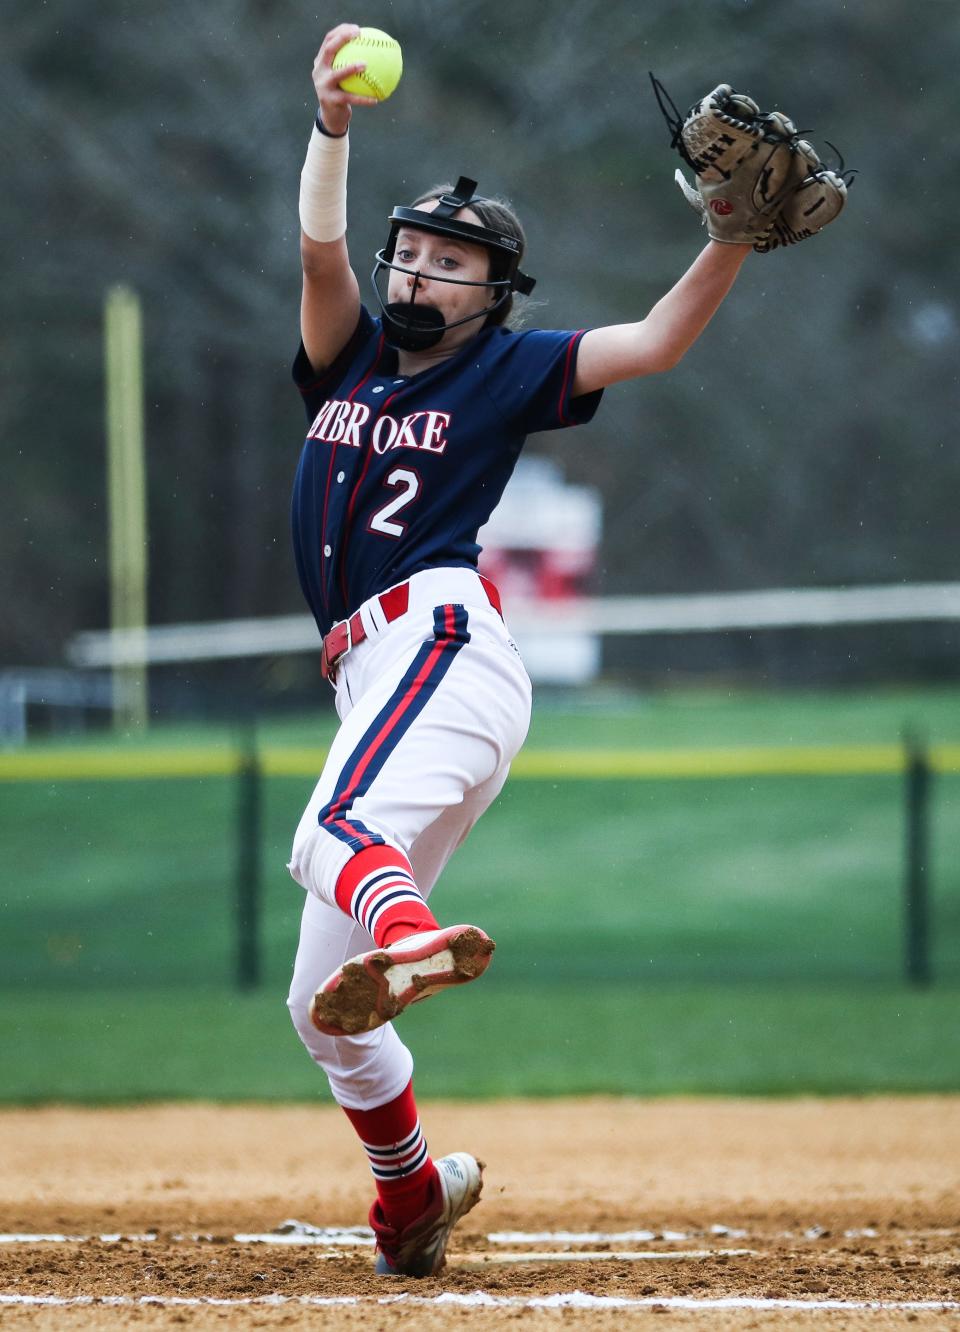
(628, 351)
(330, 305)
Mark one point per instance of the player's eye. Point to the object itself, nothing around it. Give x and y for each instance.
(405, 256)
(448, 262)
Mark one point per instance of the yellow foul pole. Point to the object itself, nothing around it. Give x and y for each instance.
(126, 498)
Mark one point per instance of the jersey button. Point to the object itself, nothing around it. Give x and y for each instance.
(328, 551)
(340, 476)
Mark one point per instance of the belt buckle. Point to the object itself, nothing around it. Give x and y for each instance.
(333, 662)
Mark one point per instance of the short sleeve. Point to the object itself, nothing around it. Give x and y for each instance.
(315, 388)
(530, 376)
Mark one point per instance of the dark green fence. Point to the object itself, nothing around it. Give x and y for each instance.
(813, 864)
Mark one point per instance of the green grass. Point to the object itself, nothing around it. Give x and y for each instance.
(495, 1039)
(718, 716)
(719, 935)
(599, 717)
(783, 878)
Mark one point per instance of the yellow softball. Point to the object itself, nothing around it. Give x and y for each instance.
(384, 60)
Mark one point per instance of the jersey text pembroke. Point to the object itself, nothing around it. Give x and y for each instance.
(399, 472)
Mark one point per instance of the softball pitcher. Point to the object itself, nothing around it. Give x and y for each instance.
(416, 415)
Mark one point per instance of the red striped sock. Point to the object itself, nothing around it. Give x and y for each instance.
(397, 1150)
(376, 887)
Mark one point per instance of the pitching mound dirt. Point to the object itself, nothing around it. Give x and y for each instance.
(719, 1213)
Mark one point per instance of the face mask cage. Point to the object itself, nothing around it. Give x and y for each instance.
(413, 327)
(402, 318)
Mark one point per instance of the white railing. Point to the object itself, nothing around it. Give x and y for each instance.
(773, 608)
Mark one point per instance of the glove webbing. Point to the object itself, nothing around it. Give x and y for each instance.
(673, 118)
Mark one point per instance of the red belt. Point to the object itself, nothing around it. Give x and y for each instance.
(346, 634)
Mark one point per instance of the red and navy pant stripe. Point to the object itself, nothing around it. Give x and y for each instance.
(420, 681)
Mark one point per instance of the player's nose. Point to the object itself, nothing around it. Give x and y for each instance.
(417, 287)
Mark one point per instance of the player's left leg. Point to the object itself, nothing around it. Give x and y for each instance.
(415, 957)
(421, 752)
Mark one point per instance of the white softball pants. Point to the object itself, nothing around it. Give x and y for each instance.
(433, 708)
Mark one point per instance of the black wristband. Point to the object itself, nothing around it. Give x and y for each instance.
(323, 129)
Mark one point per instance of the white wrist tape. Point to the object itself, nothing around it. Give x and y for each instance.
(323, 187)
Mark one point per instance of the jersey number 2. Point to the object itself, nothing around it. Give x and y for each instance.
(382, 519)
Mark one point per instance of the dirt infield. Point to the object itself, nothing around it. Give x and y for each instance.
(720, 1214)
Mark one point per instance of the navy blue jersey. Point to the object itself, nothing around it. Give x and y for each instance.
(398, 473)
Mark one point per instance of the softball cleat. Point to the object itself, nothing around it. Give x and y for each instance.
(373, 988)
(420, 1249)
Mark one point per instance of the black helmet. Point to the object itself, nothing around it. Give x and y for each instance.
(414, 327)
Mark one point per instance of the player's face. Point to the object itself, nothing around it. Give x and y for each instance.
(430, 256)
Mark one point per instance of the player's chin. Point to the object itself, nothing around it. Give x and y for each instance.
(456, 337)
(472, 321)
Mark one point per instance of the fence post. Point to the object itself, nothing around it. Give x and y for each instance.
(247, 903)
(916, 879)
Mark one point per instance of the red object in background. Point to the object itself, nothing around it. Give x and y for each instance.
(541, 547)
(527, 573)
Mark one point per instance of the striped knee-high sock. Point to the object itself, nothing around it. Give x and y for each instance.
(397, 1151)
(376, 887)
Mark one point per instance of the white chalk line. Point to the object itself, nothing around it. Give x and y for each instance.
(360, 1237)
(301, 1232)
(331, 1245)
(601, 1236)
(604, 1255)
(73, 1239)
(480, 1299)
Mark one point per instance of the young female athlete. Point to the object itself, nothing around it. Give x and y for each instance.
(417, 417)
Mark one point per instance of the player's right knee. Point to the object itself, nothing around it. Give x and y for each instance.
(322, 1049)
(327, 1051)
(363, 1070)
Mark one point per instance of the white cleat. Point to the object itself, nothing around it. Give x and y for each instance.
(420, 1249)
(373, 988)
